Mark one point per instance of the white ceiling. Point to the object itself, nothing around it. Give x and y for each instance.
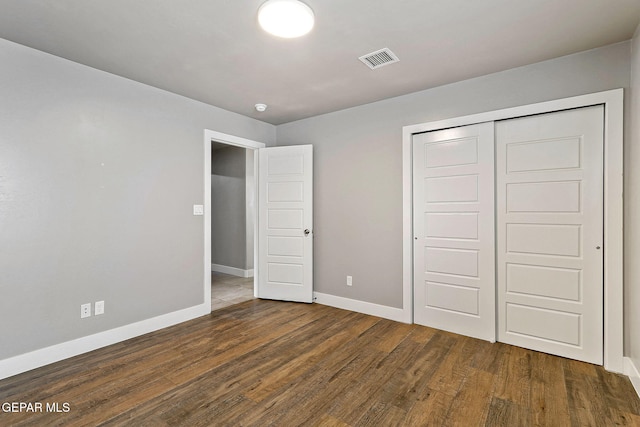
(213, 51)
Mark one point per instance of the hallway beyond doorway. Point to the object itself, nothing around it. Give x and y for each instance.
(228, 290)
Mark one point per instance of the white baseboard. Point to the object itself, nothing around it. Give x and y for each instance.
(631, 370)
(391, 313)
(232, 270)
(45, 356)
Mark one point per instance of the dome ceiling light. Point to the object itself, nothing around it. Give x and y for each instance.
(285, 18)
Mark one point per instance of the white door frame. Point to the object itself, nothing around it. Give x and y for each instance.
(613, 205)
(210, 137)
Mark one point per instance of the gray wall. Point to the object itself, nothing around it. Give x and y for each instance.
(98, 175)
(358, 162)
(229, 207)
(632, 213)
(250, 191)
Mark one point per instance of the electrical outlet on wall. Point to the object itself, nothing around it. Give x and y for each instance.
(99, 308)
(85, 310)
(349, 281)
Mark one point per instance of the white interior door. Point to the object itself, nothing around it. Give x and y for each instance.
(285, 223)
(550, 231)
(453, 221)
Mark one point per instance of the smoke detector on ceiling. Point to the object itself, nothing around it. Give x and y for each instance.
(379, 58)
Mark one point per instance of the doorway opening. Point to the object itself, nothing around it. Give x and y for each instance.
(230, 219)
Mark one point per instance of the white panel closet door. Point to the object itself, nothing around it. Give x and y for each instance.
(549, 220)
(453, 222)
(285, 238)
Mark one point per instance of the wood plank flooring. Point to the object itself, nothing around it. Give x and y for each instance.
(262, 363)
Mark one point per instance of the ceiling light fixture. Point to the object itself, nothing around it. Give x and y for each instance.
(285, 18)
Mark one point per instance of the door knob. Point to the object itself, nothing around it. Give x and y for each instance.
(306, 232)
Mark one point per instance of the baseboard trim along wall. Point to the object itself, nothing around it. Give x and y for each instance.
(631, 370)
(45, 356)
(231, 270)
(363, 307)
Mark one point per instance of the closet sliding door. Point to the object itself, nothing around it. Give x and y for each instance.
(453, 226)
(549, 173)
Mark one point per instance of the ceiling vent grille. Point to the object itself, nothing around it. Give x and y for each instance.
(379, 58)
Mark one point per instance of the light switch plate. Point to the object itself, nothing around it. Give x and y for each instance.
(198, 209)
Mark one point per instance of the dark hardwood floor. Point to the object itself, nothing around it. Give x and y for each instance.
(285, 364)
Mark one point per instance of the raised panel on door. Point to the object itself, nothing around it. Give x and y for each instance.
(285, 223)
(454, 275)
(549, 232)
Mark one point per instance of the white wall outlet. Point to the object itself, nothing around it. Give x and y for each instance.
(85, 310)
(349, 281)
(99, 308)
(198, 210)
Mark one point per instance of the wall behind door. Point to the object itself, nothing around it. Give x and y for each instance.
(229, 215)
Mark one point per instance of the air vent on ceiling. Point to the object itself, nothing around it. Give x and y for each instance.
(379, 58)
